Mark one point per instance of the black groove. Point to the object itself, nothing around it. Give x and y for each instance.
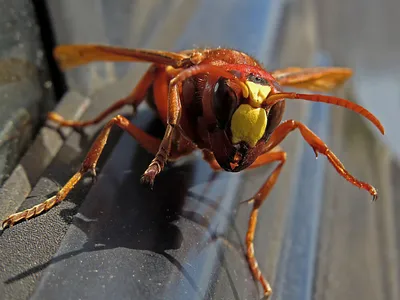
(48, 41)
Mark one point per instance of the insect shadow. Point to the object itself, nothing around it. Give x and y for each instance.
(122, 213)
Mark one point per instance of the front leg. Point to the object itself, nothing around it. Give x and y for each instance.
(319, 147)
(174, 115)
(150, 143)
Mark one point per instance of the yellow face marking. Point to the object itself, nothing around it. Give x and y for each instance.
(245, 90)
(248, 124)
(258, 93)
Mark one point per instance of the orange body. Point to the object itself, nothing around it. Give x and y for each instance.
(195, 92)
(196, 96)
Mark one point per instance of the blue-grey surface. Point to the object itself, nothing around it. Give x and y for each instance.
(318, 237)
(298, 257)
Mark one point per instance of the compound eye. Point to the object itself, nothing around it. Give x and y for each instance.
(257, 79)
(224, 103)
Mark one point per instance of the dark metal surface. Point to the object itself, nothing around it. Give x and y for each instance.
(318, 237)
(38, 157)
(25, 86)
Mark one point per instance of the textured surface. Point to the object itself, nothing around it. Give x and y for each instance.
(46, 145)
(25, 89)
(318, 236)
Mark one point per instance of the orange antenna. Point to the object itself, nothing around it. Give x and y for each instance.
(275, 98)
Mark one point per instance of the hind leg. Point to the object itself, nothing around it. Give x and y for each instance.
(134, 98)
(147, 141)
